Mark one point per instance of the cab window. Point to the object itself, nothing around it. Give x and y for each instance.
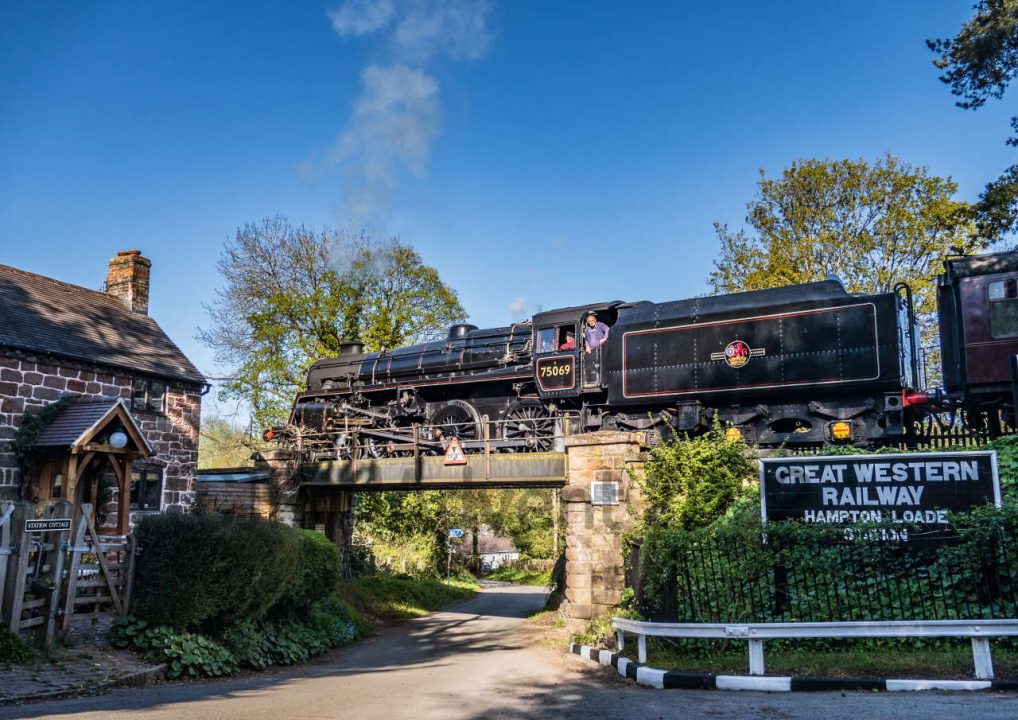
(1003, 297)
(546, 338)
(553, 339)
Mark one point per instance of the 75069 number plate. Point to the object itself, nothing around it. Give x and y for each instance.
(557, 373)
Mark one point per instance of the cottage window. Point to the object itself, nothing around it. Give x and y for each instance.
(148, 396)
(147, 487)
(56, 490)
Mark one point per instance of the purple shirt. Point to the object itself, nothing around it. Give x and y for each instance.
(594, 336)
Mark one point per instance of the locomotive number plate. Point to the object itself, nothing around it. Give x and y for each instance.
(557, 373)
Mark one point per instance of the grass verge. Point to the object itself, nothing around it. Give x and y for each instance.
(389, 597)
(859, 658)
(520, 576)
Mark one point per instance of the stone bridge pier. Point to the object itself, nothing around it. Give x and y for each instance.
(602, 502)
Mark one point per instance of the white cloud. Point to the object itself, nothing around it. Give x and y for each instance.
(518, 308)
(360, 17)
(455, 28)
(396, 117)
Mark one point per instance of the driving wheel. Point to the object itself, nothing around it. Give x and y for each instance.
(529, 421)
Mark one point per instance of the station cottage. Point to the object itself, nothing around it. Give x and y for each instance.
(97, 404)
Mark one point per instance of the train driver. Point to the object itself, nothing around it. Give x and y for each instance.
(594, 332)
(570, 342)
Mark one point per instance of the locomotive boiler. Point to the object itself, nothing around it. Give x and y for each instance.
(800, 365)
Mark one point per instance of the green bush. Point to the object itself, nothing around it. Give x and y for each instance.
(691, 482)
(325, 625)
(185, 654)
(316, 575)
(391, 597)
(335, 622)
(412, 555)
(524, 571)
(208, 572)
(13, 649)
(1007, 465)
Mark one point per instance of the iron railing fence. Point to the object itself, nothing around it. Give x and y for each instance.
(718, 577)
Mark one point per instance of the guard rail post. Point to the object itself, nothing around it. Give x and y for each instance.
(981, 658)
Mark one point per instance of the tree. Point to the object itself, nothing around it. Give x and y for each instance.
(415, 525)
(978, 64)
(871, 225)
(222, 444)
(293, 295)
(692, 482)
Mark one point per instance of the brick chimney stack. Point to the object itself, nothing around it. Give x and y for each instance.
(127, 279)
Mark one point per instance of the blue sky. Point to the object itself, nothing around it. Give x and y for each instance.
(542, 153)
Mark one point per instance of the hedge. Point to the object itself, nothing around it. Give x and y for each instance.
(208, 573)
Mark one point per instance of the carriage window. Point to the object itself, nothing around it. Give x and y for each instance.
(1003, 295)
(1003, 289)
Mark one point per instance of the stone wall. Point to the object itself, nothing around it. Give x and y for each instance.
(30, 381)
(595, 554)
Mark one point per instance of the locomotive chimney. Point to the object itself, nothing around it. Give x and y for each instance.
(127, 279)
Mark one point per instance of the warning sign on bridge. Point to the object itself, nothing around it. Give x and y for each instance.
(454, 454)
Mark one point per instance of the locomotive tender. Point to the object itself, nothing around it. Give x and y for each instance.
(800, 365)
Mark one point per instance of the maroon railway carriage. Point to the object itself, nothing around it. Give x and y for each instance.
(978, 307)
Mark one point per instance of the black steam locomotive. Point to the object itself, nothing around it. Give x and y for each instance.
(797, 366)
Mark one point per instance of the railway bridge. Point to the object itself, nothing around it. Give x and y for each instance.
(594, 476)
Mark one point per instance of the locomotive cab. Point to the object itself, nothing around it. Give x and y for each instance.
(562, 367)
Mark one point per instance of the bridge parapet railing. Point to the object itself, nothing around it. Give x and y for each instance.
(354, 441)
(979, 631)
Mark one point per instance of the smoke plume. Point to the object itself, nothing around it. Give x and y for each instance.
(518, 308)
(397, 115)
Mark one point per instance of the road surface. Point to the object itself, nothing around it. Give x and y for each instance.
(479, 660)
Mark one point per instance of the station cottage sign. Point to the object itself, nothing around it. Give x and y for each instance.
(917, 489)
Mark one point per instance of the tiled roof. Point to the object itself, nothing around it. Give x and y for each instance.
(71, 422)
(77, 418)
(40, 314)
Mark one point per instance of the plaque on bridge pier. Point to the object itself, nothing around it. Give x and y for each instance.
(604, 493)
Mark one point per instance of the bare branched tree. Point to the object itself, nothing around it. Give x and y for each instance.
(292, 295)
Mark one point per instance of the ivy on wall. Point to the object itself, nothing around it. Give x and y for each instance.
(32, 426)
